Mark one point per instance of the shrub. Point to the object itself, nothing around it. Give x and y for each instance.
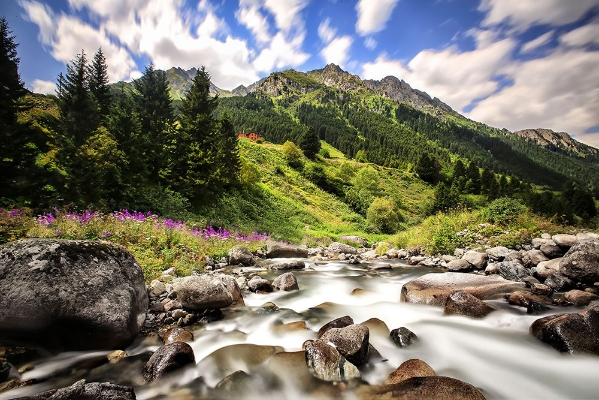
(315, 174)
(248, 173)
(292, 154)
(383, 216)
(324, 152)
(504, 210)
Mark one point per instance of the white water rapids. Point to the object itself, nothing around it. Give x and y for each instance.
(495, 354)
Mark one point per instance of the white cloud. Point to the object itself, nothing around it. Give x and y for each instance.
(373, 15)
(326, 32)
(211, 25)
(536, 43)
(43, 87)
(592, 139)
(286, 13)
(281, 53)
(41, 15)
(582, 36)
(337, 51)
(249, 15)
(370, 43)
(522, 14)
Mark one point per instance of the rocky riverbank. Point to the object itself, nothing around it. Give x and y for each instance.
(554, 270)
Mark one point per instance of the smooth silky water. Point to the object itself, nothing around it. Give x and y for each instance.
(496, 354)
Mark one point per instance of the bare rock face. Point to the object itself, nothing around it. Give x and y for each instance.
(285, 250)
(351, 342)
(203, 292)
(81, 390)
(286, 282)
(410, 369)
(581, 262)
(167, 359)
(463, 303)
(570, 333)
(70, 295)
(241, 255)
(327, 364)
(426, 387)
(434, 289)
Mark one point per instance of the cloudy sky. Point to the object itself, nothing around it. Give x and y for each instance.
(512, 64)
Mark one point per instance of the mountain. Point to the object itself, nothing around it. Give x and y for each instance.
(180, 82)
(556, 141)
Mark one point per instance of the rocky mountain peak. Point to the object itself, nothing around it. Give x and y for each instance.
(333, 75)
(556, 140)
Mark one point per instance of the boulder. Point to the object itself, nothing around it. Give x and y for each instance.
(540, 289)
(369, 255)
(257, 284)
(558, 282)
(376, 327)
(410, 369)
(340, 322)
(287, 266)
(166, 359)
(241, 255)
(533, 258)
(403, 337)
(177, 335)
(564, 241)
(498, 253)
(286, 282)
(547, 268)
(327, 364)
(459, 265)
(81, 390)
(538, 242)
(513, 271)
(379, 266)
(233, 287)
(513, 255)
(70, 295)
(581, 262)
(200, 292)
(351, 342)
(434, 289)
(285, 250)
(523, 298)
(579, 297)
(463, 303)
(355, 239)
(425, 387)
(570, 333)
(338, 248)
(478, 260)
(551, 250)
(587, 235)
(492, 268)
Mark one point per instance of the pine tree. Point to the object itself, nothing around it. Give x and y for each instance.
(428, 168)
(153, 105)
(98, 83)
(473, 184)
(310, 144)
(10, 81)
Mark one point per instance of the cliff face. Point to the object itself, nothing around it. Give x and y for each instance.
(556, 140)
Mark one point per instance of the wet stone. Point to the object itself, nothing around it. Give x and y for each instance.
(403, 337)
(351, 342)
(168, 358)
(410, 369)
(81, 390)
(177, 335)
(258, 284)
(327, 364)
(340, 322)
(463, 303)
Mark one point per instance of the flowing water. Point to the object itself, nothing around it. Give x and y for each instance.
(496, 354)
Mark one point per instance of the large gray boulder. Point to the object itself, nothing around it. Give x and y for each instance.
(203, 292)
(285, 250)
(564, 241)
(581, 262)
(241, 255)
(167, 359)
(327, 364)
(70, 295)
(422, 387)
(337, 247)
(533, 258)
(463, 303)
(351, 342)
(286, 282)
(434, 289)
(498, 253)
(478, 260)
(459, 265)
(81, 390)
(547, 268)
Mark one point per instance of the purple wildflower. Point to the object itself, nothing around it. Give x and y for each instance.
(46, 219)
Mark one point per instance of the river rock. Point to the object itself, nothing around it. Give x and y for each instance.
(513, 271)
(70, 295)
(157, 288)
(376, 327)
(558, 282)
(168, 358)
(340, 322)
(286, 282)
(199, 292)
(498, 253)
(434, 289)
(351, 342)
(258, 284)
(241, 255)
(564, 241)
(327, 364)
(579, 297)
(533, 258)
(463, 303)
(581, 262)
(478, 260)
(538, 242)
(547, 268)
(551, 250)
(403, 337)
(410, 369)
(379, 266)
(570, 333)
(177, 335)
(425, 387)
(285, 250)
(523, 298)
(287, 266)
(233, 287)
(81, 390)
(459, 265)
(513, 255)
(339, 248)
(540, 289)
(587, 235)
(237, 384)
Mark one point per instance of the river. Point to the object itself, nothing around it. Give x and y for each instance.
(495, 354)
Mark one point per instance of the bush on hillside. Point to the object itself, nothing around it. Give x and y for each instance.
(383, 216)
(504, 210)
(292, 154)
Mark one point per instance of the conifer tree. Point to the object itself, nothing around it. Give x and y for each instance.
(98, 83)
(473, 184)
(310, 143)
(428, 168)
(10, 81)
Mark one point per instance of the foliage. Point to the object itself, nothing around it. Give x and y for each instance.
(504, 210)
(292, 154)
(365, 188)
(310, 143)
(428, 168)
(383, 216)
(248, 173)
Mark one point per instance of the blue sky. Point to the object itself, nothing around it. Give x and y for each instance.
(512, 64)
